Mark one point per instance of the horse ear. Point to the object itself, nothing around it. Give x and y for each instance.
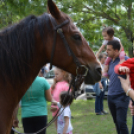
(53, 9)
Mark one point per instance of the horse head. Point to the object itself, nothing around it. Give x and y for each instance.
(76, 42)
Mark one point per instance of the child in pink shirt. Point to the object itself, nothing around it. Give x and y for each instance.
(61, 83)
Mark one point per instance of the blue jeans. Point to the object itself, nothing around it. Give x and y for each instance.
(118, 106)
(132, 130)
(99, 103)
(99, 96)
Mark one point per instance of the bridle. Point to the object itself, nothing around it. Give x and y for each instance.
(58, 29)
(75, 80)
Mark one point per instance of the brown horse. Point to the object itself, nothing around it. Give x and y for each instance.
(25, 47)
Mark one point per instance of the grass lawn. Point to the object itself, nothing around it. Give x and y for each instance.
(85, 121)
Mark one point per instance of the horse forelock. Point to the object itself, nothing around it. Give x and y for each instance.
(17, 47)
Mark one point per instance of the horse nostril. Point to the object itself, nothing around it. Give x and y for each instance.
(98, 69)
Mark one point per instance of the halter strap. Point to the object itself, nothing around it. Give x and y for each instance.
(57, 29)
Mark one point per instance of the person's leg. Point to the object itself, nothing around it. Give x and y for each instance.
(97, 105)
(106, 67)
(103, 81)
(121, 107)
(132, 130)
(97, 99)
(101, 100)
(112, 109)
(28, 125)
(122, 56)
(39, 123)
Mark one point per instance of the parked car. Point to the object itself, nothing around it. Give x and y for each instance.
(49, 76)
(88, 90)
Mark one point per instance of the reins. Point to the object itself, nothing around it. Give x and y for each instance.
(75, 82)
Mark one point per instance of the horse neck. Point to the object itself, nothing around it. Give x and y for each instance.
(35, 66)
(12, 86)
(14, 95)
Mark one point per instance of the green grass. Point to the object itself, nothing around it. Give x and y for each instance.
(85, 121)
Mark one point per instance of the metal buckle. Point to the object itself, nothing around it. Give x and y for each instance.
(82, 66)
(59, 30)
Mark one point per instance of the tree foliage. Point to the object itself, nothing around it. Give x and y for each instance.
(12, 11)
(89, 16)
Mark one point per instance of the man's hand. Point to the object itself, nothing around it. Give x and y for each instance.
(125, 82)
(124, 69)
(131, 107)
(100, 85)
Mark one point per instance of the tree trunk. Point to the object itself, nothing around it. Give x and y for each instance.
(129, 35)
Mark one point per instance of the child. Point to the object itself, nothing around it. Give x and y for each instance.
(61, 83)
(108, 34)
(64, 117)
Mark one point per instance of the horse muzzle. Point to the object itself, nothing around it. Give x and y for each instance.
(93, 75)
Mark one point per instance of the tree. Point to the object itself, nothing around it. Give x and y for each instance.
(90, 15)
(12, 11)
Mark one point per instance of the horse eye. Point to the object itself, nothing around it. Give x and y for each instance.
(77, 37)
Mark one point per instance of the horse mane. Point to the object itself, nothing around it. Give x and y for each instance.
(17, 46)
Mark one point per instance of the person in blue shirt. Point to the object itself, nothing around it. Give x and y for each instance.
(117, 99)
